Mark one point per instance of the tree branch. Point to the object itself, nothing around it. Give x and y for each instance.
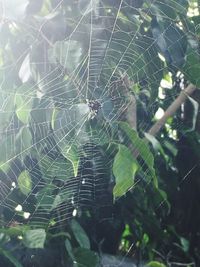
(171, 110)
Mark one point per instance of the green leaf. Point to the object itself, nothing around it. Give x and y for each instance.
(80, 235)
(34, 238)
(69, 249)
(171, 147)
(180, 6)
(70, 132)
(15, 231)
(59, 168)
(23, 103)
(23, 141)
(185, 244)
(70, 125)
(67, 53)
(7, 108)
(25, 71)
(45, 198)
(72, 154)
(163, 10)
(195, 105)
(11, 258)
(124, 169)
(155, 143)
(85, 258)
(25, 182)
(7, 142)
(54, 115)
(191, 68)
(142, 147)
(169, 8)
(155, 264)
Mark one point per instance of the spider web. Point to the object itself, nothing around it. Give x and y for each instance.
(73, 100)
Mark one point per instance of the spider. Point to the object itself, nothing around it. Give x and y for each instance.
(94, 107)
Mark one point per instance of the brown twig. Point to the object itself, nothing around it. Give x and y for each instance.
(171, 110)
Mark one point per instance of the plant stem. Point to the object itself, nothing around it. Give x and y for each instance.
(171, 110)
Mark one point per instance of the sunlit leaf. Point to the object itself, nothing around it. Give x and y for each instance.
(25, 71)
(142, 148)
(185, 244)
(60, 169)
(34, 238)
(155, 264)
(191, 68)
(68, 54)
(195, 105)
(23, 102)
(72, 154)
(80, 235)
(124, 169)
(155, 143)
(69, 248)
(85, 257)
(25, 182)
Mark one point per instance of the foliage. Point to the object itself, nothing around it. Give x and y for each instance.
(69, 74)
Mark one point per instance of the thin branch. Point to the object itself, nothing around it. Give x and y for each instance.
(182, 264)
(171, 110)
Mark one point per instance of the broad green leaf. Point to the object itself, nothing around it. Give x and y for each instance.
(4, 238)
(180, 6)
(155, 143)
(25, 182)
(142, 147)
(70, 132)
(171, 147)
(34, 238)
(10, 257)
(25, 72)
(124, 170)
(155, 264)
(72, 154)
(191, 68)
(168, 8)
(45, 198)
(70, 125)
(23, 141)
(15, 231)
(185, 244)
(135, 56)
(145, 239)
(162, 9)
(23, 102)
(5, 166)
(69, 249)
(195, 105)
(48, 201)
(6, 107)
(80, 235)
(172, 42)
(54, 115)
(59, 168)
(68, 54)
(7, 147)
(85, 258)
